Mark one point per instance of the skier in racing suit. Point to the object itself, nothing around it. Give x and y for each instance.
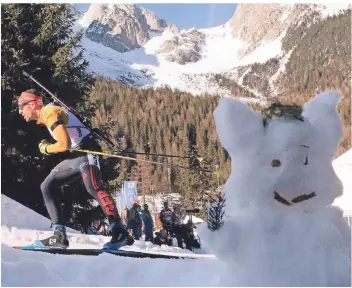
(69, 133)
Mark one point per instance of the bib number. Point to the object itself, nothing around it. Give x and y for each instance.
(93, 160)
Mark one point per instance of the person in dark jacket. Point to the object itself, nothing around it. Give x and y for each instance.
(134, 221)
(139, 209)
(181, 228)
(98, 227)
(167, 218)
(148, 223)
(162, 238)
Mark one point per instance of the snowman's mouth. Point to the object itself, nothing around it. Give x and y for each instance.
(298, 199)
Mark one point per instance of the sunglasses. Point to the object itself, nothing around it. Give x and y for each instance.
(22, 105)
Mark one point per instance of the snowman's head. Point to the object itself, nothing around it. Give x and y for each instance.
(282, 158)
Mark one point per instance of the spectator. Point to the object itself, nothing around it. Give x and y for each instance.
(195, 239)
(163, 238)
(134, 221)
(181, 230)
(167, 217)
(148, 223)
(98, 227)
(125, 216)
(139, 209)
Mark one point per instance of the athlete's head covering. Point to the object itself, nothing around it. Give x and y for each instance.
(29, 96)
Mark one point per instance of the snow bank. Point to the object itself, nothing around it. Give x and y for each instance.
(21, 226)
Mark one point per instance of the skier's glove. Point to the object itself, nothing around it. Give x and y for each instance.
(42, 147)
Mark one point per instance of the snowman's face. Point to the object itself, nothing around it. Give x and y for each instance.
(292, 162)
(286, 163)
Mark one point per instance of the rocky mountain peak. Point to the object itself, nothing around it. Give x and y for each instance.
(122, 27)
(154, 22)
(184, 46)
(255, 24)
(173, 28)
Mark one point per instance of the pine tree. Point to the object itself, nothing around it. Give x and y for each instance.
(215, 215)
(185, 127)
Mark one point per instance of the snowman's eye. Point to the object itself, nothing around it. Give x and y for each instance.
(306, 161)
(275, 163)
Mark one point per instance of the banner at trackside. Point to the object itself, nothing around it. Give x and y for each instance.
(129, 192)
(120, 202)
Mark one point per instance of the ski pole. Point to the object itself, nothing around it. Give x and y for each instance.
(163, 155)
(134, 159)
(116, 156)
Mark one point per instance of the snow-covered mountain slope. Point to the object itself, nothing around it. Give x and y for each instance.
(144, 67)
(188, 60)
(21, 226)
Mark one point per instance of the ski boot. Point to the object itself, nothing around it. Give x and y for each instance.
(58, 240)
(120, 236)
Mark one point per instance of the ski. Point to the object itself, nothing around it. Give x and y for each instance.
(95, 252)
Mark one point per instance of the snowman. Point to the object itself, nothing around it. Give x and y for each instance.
(279, 226)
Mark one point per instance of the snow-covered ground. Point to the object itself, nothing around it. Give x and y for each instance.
(21, 226)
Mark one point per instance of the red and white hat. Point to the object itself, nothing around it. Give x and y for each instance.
(27, 97)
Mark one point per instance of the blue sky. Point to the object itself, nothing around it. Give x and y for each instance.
(193, 15)
(190, 15)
